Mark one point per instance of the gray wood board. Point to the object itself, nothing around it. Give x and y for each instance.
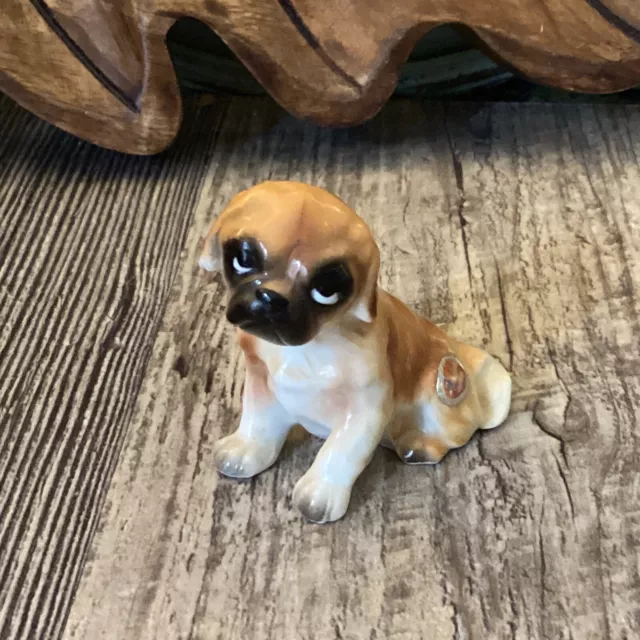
(90, 242)
(513, 226)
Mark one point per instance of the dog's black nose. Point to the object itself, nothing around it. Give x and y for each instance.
(272, 300)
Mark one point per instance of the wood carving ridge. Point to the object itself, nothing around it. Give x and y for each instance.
(54, 24)
(615, 19)
(299, 23)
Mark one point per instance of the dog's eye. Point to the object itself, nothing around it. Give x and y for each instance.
(238, 268)
(331, 284)
(322, 299)
(242, 256)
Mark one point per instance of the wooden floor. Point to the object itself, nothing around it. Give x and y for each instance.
(517, 227)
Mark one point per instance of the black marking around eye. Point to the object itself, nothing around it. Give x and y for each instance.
(248, 255)
(333, 277)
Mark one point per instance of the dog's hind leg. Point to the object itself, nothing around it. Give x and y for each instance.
(415, 440)
(467, 391)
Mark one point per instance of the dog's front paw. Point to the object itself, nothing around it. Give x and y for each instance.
(320, 500)
(238, 457)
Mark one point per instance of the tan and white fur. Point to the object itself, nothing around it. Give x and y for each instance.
(366, 372)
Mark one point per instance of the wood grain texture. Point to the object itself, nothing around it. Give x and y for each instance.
(89, 244)
(101, 70)
(515, 227)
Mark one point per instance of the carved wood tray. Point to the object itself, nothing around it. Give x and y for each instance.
(101, 70)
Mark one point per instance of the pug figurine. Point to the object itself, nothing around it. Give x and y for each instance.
(328, 349)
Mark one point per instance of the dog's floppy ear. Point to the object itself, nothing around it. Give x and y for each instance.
(211, 256)
(366, 307)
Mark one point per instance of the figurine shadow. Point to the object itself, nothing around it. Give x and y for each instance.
(259, 129)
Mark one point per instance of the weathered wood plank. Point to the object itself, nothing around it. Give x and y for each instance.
(90, 242)
(517, 227)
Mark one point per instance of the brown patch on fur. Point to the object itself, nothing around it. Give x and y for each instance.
(415, 347)
(458, 423)
(247, 343)
(257, 372)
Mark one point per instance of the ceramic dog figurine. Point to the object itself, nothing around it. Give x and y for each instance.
(326, 348)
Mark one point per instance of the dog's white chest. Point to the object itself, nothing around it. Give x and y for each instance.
(314, 381)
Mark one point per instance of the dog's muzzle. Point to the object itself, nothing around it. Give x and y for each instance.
(269, 315)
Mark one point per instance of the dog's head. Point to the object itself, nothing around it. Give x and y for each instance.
(295, 259)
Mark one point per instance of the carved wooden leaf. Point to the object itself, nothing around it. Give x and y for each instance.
(100, 69)
(575, 44)
(107, 35)
(52, 66)
(623, 14)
